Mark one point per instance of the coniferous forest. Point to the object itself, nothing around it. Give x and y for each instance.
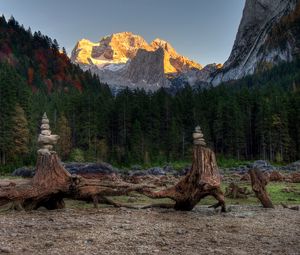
(257, 117)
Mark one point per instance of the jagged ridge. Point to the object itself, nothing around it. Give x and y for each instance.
(115, 57)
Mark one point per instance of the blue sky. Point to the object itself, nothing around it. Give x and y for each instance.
(203, 30)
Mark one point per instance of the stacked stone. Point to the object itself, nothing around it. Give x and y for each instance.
(198, 137)
(45, 139)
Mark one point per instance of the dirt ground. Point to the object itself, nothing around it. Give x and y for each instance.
(243, 230)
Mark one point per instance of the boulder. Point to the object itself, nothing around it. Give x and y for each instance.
(136, 168)
(156, 171)
(295, 166)
(24, 172)
(169, 169)
(184, 171)
(261, 165)
(90, 168)
(137, 173)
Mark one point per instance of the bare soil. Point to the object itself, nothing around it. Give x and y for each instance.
(243, 230)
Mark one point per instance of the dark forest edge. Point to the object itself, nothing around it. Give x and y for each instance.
(257, 117)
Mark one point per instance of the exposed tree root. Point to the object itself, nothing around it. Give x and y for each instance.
(203, 180)
(235, 192)
(52, 182)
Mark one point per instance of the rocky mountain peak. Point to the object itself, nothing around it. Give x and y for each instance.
(160, 43)
(114, 55)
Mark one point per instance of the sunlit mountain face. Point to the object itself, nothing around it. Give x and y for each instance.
(113, 55)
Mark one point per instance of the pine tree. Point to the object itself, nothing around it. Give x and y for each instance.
(20, 133)
(101, 150)
(136, 141)
(64, 131)
(7, 108)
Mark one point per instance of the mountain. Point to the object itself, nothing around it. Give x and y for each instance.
(268, 34)
(124, 59)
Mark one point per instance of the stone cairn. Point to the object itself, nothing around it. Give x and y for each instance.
(198, 137)
(45, 139)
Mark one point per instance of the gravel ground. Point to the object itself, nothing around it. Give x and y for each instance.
(243, 230)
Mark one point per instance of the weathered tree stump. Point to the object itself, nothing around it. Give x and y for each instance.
(45, 189)
(235, 192)
(52, 183)
(203, 180)
(259, 182)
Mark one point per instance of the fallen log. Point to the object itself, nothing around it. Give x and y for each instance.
(52, 183)
(202, 180)
(258, 183)
(235, 192)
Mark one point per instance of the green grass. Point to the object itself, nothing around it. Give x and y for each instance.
(274, 189)
(278, 195)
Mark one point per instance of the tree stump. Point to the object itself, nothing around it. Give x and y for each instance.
(259, 182)
(203, 180)
(45, 189)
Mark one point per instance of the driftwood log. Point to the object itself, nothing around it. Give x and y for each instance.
(202, 180)
(258, 183)
(52, 183)
(235, 192)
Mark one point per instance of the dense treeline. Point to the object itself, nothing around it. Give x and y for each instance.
(257, 117)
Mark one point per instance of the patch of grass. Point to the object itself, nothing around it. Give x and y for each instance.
(279, 196)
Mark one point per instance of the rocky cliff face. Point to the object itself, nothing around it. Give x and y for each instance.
(258, 43)
(173, 62)
(144, 71)
(125, 59)
(147, 69)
